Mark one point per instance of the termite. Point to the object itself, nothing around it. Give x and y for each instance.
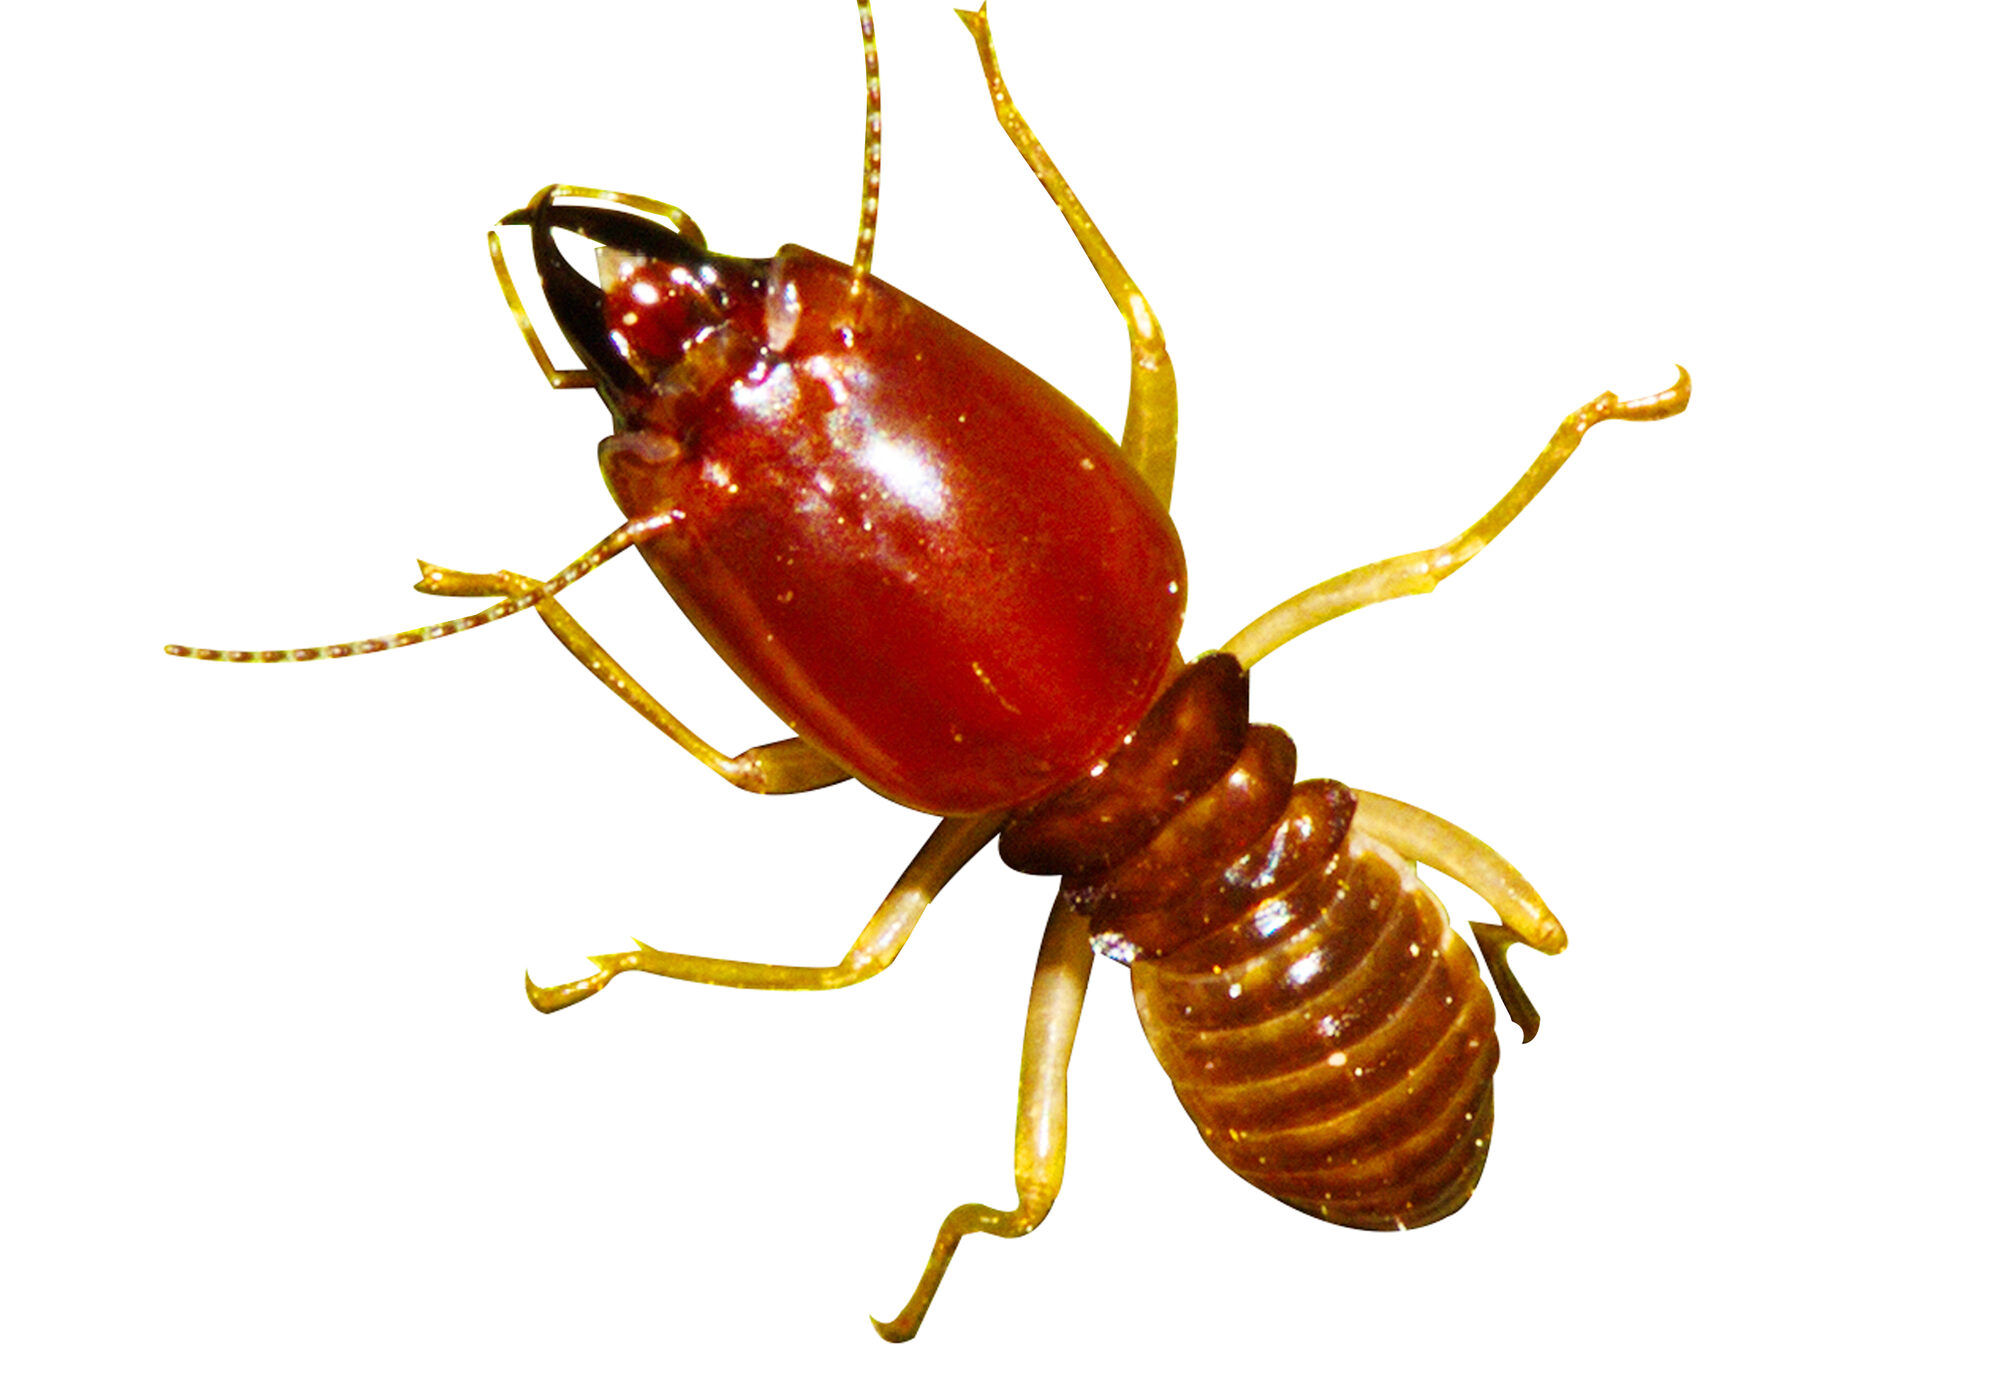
(952, 585)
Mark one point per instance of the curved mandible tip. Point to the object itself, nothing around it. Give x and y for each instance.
(576, 301)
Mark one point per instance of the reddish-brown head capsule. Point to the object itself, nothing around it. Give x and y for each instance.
(657, 312)
(929, 563)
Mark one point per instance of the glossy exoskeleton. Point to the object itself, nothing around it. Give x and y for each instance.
(951, 584)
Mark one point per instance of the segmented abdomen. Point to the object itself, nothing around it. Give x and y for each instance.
(1327, 1032)
(1334, 1044)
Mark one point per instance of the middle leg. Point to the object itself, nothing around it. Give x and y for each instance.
(1408, 574)
(955, 841)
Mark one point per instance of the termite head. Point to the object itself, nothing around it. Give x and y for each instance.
(665, 316)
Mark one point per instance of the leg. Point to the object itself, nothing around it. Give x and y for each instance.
(1408, 574)
(1151, 407)
(791, 765)
(956, 840)
(1041, 1124)
(1524, 918)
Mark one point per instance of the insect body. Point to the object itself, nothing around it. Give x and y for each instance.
(953, 586)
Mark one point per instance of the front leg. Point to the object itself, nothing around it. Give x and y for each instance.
(789, 765)
(1152, 407)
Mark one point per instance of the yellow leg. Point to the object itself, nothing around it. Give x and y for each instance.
(1041, 1124)
(955, 841)
(1524, 917)
(790, 765)
(1409, 574)
(1152, 410)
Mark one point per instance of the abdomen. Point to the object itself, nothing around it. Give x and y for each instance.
(1334, 1044)
(1325, 1029)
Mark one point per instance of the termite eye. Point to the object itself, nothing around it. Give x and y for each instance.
(653, 310)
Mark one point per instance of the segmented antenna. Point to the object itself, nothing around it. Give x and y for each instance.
(630, 533)
(871, 156)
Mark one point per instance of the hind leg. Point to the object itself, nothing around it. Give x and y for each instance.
(1041, 1124)
(1524, 917)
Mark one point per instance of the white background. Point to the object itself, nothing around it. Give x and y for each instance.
(280, 1120)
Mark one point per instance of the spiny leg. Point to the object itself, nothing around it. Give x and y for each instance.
(1152, 409)
(1524, 918)
(790, 765)
(1409, 574)
(955, 841)
(1041, 1123)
